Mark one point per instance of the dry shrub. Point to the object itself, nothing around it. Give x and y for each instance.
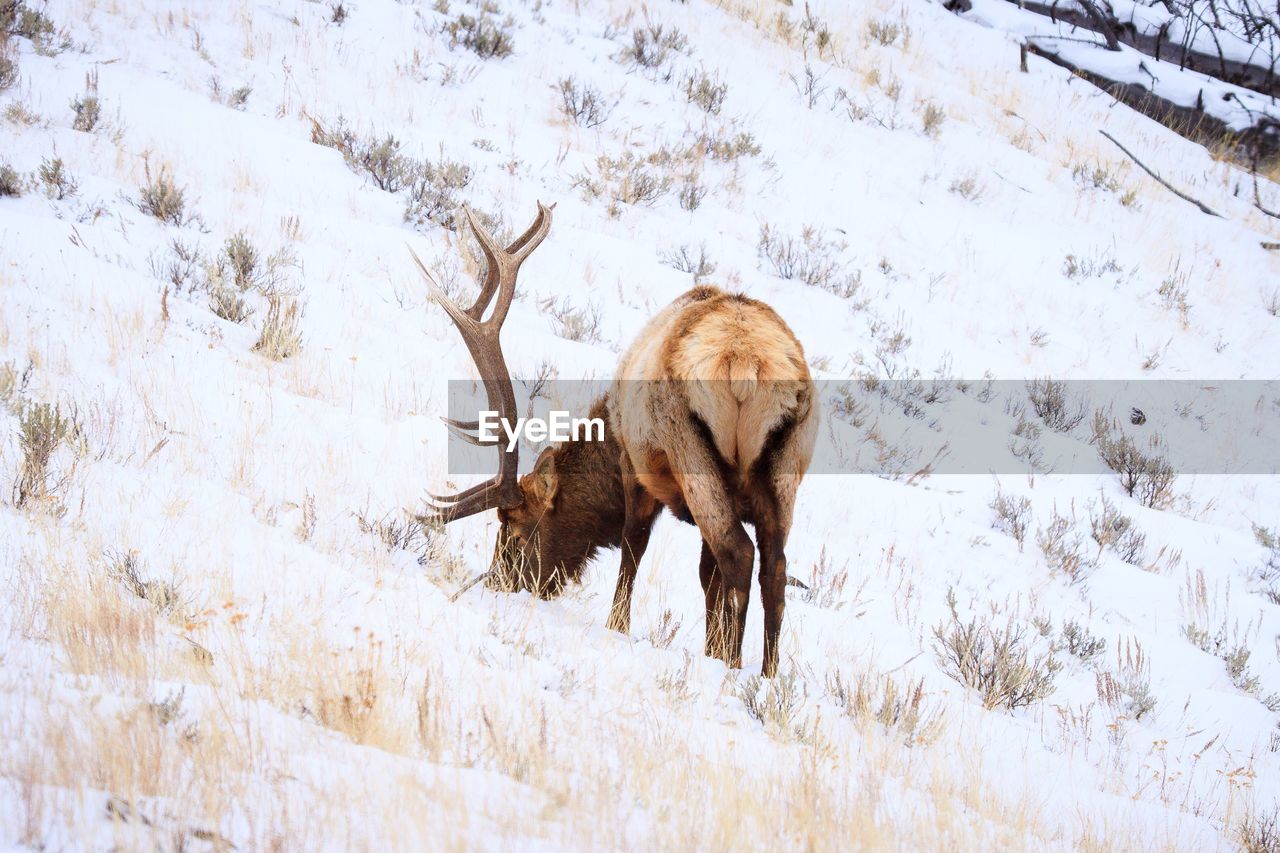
(706, 91)
(573, 322)
(775, 703)
(1012, 516)
(1078, 642)
(827, 583)
(583, 104)
(162, 198)
(1259, 831)
(43, 429)
(683, 258)
(1144, 474)
(88, 108)
(883, 31)
(1063, 547)
(228, 303)
(128, 569)
(11, 184)
(810, 258)
(280, 336)
(8, 62)
(932, 116)
(434, 193)
(897, 706)
(482, 35)
(382, 160)
(58, 183)
(399, 532)
(1054, 405)
(1112, 529)
(651, 46)
(997, 663)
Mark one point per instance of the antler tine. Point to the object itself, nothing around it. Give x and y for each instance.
(511, 262)
(493, 271)
(503, 264)
(468, 437)
(462, 495)
(482, 340)
(531, 238)
(465, 323)
(520, 242)
(475, 503)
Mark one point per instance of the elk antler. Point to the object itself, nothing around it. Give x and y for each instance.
(481, 338)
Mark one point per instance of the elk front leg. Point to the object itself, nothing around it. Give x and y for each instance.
(641, 511)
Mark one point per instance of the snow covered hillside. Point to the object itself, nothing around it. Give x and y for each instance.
(221, 378)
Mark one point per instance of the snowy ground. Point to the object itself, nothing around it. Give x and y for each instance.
(211, 634)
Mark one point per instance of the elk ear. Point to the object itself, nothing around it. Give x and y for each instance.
(544, 479)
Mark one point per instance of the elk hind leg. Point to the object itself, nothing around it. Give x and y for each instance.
(697, 470)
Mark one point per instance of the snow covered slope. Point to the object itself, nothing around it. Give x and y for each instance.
(215, 624)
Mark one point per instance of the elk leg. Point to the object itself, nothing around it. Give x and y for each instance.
(697, 472)
(771, 539)
(725, 570)
(713, 591)
(641, 511)
(773, 495)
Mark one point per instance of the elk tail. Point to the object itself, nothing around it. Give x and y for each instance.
(744, 372)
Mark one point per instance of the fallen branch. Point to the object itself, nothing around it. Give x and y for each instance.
(1160, 180)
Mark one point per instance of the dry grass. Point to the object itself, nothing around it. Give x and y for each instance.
(301, 746)
(281, 334)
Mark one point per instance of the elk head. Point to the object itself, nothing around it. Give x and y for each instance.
(524, 554)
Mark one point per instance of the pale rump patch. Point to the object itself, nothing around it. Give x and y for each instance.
(741, 368)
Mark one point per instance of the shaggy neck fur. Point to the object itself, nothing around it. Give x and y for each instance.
(589, 507)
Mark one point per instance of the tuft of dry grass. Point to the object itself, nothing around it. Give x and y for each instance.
(87, 107)
(932, 117)
(899, 707)
(281, 333)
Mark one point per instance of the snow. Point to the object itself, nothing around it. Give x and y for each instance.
(329, 694)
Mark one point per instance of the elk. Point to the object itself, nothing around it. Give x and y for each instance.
(712, 415)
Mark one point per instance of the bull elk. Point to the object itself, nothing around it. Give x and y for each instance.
(712, 415)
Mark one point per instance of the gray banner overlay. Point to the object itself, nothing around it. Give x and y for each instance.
(910, 428)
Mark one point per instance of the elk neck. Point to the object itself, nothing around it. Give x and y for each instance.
(589, 505)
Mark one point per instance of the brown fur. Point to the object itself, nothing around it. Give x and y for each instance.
(713, 415)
